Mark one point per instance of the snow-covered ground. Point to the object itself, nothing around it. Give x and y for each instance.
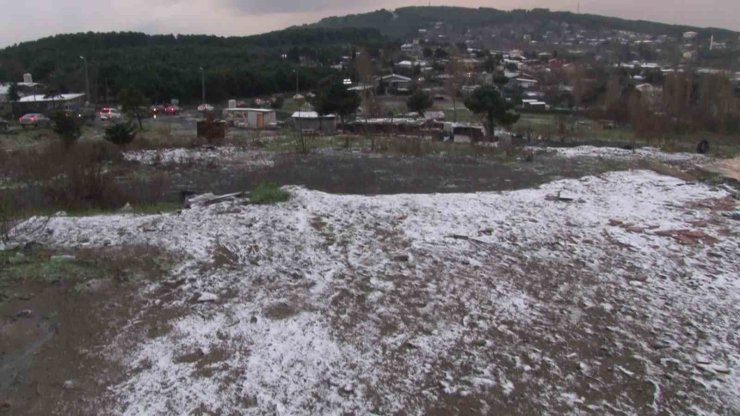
(180, 156)
(647, 153)
(625, 300)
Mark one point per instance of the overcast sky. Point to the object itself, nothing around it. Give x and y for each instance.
(31, 19)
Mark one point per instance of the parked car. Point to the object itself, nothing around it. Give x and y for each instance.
(3, 124)
(86, 113)
(82, 113)
(157, 110)
(171, 110)
(34, 120)
(107, 113)
(204, 108)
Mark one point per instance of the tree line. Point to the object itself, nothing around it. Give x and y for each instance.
(168, 66)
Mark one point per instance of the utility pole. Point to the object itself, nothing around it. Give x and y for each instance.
(297, 89)
(87, 81)
(203, 85)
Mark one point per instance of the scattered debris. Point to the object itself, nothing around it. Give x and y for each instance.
(25, 313)
(207, 297)
(208, 199)
(735, 215)
(562, 197)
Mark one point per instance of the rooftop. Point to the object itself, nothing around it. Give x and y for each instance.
(43, 98)
(310, 114)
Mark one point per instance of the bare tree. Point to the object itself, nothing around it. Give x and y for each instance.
(716, 102)
(578, 85)
(677, 90)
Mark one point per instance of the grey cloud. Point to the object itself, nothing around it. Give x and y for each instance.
(260, 7)
(31, 19)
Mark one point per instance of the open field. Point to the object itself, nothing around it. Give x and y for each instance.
(401, 276)
(607, 301)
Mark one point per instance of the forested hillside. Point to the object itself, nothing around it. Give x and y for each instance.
(167, 66)
(408, 20)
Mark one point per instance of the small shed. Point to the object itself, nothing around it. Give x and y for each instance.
(251, 118)
(463, 132)
(312, 121)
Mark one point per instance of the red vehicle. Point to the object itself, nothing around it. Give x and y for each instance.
(34, 120)
(107, 113)
(171, 110)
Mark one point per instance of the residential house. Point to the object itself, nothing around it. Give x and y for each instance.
(525, 83)
(395, 83)
(43, 103)
(23, 88)
(413, 48)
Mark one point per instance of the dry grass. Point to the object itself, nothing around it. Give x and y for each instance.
(84, 178)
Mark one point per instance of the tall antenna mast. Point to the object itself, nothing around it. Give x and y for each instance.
(579, 7)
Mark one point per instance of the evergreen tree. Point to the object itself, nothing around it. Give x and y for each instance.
(419, 102)
(488, 102)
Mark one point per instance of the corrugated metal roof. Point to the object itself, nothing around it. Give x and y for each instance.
(42, 98)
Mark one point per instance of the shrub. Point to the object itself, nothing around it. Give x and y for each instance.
(268, 193)
(277, 102)
(120, 134)
(214, 131)
(68, 127)
(7, 218)
(83, 181)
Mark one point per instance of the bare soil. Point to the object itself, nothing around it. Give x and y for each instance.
(56, 315)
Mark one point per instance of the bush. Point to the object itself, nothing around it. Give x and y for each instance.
(7, 218)
(268, 193)
(83, 181)
(120, 134)
(277, 102)
(67, 126)
(214, 131)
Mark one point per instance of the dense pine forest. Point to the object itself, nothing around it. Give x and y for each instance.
(166, 66)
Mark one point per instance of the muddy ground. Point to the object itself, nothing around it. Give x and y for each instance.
(370, 174)
(57, 310)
